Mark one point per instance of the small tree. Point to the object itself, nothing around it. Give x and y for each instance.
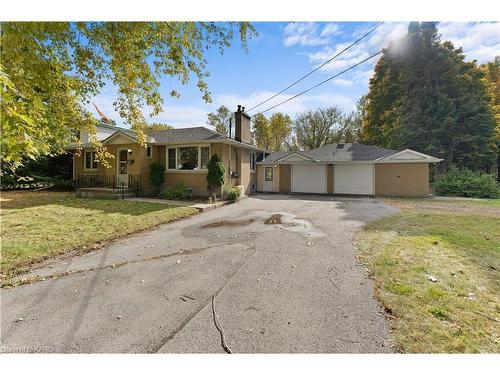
(156, 175)
(215, 176)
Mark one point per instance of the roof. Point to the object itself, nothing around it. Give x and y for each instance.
(198, 134)
(349, 152)
(333, 153)
(184, 135)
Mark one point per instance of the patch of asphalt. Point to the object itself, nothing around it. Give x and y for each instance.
(278, 290)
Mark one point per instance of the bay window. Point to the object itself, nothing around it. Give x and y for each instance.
(188, 158)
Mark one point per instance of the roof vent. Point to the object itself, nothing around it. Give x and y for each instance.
(340, 146)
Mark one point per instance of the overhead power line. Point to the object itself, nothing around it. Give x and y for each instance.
(322, 82)
(319, 67)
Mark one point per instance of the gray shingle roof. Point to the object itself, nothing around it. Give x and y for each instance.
(330, 153)
(184, 135)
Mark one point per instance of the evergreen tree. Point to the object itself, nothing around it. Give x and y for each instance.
(424, 96)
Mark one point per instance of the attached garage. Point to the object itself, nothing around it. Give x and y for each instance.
(354, 179)
(309, 178)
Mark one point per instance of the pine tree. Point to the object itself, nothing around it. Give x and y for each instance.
(424, 96)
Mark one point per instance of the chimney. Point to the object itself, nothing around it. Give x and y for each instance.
(242, 125)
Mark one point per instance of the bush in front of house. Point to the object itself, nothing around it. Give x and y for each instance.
(178, 192)
(231, 192)
(156, 175)
(466, 183)
(215, 175)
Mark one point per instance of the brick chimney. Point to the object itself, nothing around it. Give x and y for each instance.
(242, 125)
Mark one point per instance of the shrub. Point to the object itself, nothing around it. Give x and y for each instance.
(466, 183)
(231, 192)
(215, 176)
(180, 191)
(156, 175)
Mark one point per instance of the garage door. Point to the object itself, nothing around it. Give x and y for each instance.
(308, 178)
(353, 179)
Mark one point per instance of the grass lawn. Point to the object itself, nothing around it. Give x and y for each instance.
(35, 226)
(456, 242)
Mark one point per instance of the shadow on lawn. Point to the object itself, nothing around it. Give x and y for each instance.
(23, 200)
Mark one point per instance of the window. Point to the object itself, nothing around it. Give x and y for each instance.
(172, 162)
(188, 158)
(204, 155)
(90, 160)
(149, 152)
(252, 161)
(269, 173)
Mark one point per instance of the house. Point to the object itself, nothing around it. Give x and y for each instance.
(183, 152)
(346, 168)
(339, 168)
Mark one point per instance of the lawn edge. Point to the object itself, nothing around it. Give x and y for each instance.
(9, 280)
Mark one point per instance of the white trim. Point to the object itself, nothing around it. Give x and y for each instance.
(422, 158)
(117, 133)
(93, 162)
(283, 158)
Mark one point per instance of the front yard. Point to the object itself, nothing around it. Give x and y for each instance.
(36, 226)
(436, 266)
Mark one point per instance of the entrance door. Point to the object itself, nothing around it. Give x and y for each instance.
(122, 172)
(268, 178)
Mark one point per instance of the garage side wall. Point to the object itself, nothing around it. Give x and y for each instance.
(402, 179)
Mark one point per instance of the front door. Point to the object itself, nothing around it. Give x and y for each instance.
(122, 167)
(268, 178)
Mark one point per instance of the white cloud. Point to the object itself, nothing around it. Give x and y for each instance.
(479, 41)
(379, 39)
(330, 29)
(309, 33)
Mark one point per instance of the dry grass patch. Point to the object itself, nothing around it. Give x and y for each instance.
(36, 226)
(461, 311)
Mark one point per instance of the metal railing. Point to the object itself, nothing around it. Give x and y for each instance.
(109, 182)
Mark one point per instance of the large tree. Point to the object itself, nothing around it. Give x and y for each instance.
(491, 72)
(220, 120)
(315, 128)
(425, 96)
(274, 133)
(50, 70)
(260, 131)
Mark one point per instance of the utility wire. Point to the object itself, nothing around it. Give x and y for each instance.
(322, 82)
(319, 67)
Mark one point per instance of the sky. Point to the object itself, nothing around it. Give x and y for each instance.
(282, 53)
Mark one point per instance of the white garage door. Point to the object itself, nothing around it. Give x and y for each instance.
(308, 178)
(353, 179)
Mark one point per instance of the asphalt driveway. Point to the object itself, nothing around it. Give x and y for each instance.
(283, 271)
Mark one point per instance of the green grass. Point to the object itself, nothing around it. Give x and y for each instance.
(462, 250)
(36, 226)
